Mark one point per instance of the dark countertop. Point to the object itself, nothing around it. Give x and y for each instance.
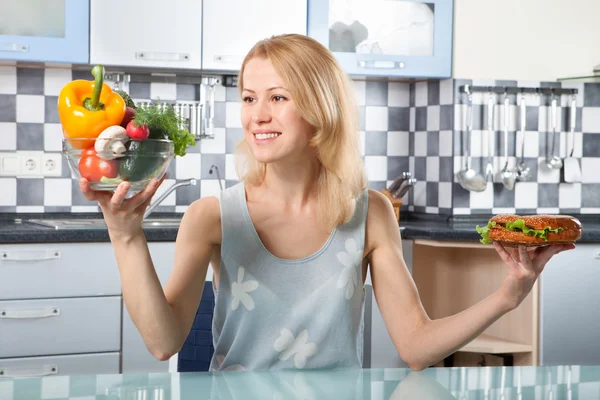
(15, 229)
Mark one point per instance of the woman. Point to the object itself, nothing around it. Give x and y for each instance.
(290, 244)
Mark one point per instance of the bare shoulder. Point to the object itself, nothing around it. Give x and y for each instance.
(203, 218)
(381, 220)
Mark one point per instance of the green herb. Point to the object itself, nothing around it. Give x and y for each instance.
(163, 123)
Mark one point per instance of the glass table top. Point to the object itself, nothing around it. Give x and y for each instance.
(557, 382)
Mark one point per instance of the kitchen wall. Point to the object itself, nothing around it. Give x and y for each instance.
(538, 40)
(29, 121)
(404, 127)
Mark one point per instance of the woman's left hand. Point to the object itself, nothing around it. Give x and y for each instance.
(525, 264)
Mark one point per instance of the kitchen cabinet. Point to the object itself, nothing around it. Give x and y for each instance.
(146, 33)
(569, 306)
(232, 27)
(453, 276)
(402, 38)
(45, 31)
(60, 309)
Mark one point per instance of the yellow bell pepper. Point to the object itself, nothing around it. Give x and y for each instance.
(86, 108)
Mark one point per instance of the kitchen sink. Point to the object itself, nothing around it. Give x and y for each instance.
(98, 223)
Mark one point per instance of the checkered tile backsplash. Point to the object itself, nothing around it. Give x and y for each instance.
(412, 127)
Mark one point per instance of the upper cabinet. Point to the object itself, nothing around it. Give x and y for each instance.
(407, 38)
(44, 31)
(143, 33)
(232, 27)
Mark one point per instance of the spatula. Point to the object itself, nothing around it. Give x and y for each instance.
(572, 171)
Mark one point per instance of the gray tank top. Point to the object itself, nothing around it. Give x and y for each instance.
(272, 313)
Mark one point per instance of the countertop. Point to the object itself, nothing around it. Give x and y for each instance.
(14, 228)
(558, 382)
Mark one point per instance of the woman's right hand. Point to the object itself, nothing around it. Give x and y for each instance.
(123, 217)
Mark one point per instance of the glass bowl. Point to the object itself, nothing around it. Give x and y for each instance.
(105, 163)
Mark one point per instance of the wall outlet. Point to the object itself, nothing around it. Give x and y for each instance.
(51, 164)
(30, 163)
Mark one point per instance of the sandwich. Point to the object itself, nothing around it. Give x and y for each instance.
(530, 230)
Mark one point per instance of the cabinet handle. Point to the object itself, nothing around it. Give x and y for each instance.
(229, 58)
(29, 255)
(42, 370)
(15, 47)
(161, 56)
(381, 64)
(43, 312)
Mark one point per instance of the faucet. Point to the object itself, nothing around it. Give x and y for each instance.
(151, 207)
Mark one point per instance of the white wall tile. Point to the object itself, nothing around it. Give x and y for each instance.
(590, 210)
(188, 166)
(398, 94)
(532, 144)
(503, 210)
(446, 91)
(526, 195)
(53, 136)
(8, 191)
(230, 172)
(445, 144)
(433, 118)
(84, 209)
(376, 118)
(547, 210)
(30, 108)
(433, 168)
(545, 174)
(30, 209)
(569, 195)
(57, 192)
(397, 143)
(170, 199)
(163, 91)
(8, 80)
(420, 193)
(376, 167)
(590, 167)
(591, 120)
(445, 194)
(233, 112)
(360, 91)
(420, 144)
(55, 79)
(215, 145)
(220, 93)
(483, 199)
(420, 94)
(461, 211)
(8, 136)
(210, 187)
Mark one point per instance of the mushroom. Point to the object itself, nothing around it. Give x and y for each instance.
(110, 144)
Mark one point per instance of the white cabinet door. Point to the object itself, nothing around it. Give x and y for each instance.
(232, 27)
(146, 33)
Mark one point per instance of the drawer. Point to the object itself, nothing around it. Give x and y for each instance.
(80, 364)
(38, 271)
(60, 326)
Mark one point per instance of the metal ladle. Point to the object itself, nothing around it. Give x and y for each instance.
(507, 176)
(523, 171)
(552, 160)
(467, 177)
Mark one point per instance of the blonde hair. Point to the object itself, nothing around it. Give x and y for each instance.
(325, 98)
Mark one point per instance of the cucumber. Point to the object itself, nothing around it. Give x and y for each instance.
(142, 161)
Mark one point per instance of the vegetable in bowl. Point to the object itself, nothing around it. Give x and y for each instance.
(108, 139)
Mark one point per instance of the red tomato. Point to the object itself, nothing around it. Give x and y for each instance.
(137, 132)
(93, 168)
